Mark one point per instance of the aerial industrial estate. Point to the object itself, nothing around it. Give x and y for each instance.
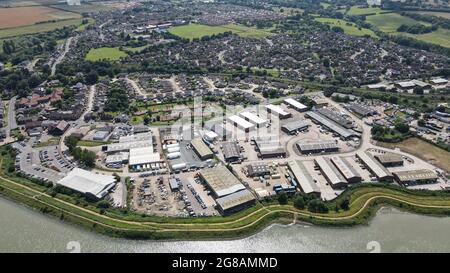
(197, 109)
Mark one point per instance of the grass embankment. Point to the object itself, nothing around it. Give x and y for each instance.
(92, 143)
(423, 150)
(364, 200)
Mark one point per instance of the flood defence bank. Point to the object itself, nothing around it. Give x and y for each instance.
(364, 202)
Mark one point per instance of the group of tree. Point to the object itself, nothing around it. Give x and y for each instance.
(82, 155)
(117, 100)
(417, 28)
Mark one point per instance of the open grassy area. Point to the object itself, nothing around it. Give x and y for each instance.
(50, 142)
(92, 143)
(440, 37)
(389, 22)
(348, 27)
(105, 53)
(192, 31)
(84, 26)
(423, 150)
(445, 15)
(355, 10)
(37, 28)
(135, 49)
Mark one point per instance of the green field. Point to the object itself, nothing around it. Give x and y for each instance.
(349, 28)
(440, 37)
(135, 49)
(105, 53)
(192, 31)
(355, 10)
(37, 28)
(389, 22)
(84, 26)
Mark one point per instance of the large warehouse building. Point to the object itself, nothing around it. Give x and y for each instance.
(201, 149)
(303, 178)
(295, 126)
(415, 177)
(277, 111)
(331, 125)
(92, 185)
(390, 159)
(253, 118)
(317, 146)
(241, 123)
(296, 105)
(375, 167)
(221, 181)
(336, 117)
(330, 172)
(144, 159)
(235, 202)
(231, 151)
(269, 148)
(344, 167)
(130, 142)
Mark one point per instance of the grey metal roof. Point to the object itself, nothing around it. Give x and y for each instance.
(379, 170)
(303, 177)
(346, 133)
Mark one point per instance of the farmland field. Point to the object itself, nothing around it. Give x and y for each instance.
(105, 53)
(16, 17)
(390, 22)
(36, 28)
(192, 31)
(86, 7)
(349, 28)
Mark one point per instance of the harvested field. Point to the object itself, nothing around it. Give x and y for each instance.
(16, 17)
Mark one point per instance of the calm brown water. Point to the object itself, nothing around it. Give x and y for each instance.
(25, 230)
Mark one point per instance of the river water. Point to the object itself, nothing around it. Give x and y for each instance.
(25, 230)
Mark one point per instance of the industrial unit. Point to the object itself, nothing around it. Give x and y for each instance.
(336, 117)
(269, 148)
(201, 149)
(331, 173)
(235, 202)
(331, 125)
(117, 159)
(390, 159)
(221, 181)
(349, 173)
(415, 177)
(90, 184)
(317, 146)
(231, 151)
(296, 105)
(295, 126)
(257, 170)
(253, 118)
(361, 110)
(303, 178)
(130, 142)
(144, 159)
(241, 123)
(375, 167)
(277, 111)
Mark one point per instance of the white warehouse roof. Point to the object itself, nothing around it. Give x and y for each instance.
(277, 109)
(253, 118)
(88, 183)
(240, 122)
(145, 155)
(295, 104)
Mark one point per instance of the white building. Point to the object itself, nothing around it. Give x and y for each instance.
(253, 118)
(296, 105)
(144, 158)
(241, 123)
(90, 184)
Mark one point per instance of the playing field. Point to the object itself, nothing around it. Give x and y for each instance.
(17, 17)
(349, 28)
(105, 53)
(389, 22)
(37, 28)
(192, 31)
